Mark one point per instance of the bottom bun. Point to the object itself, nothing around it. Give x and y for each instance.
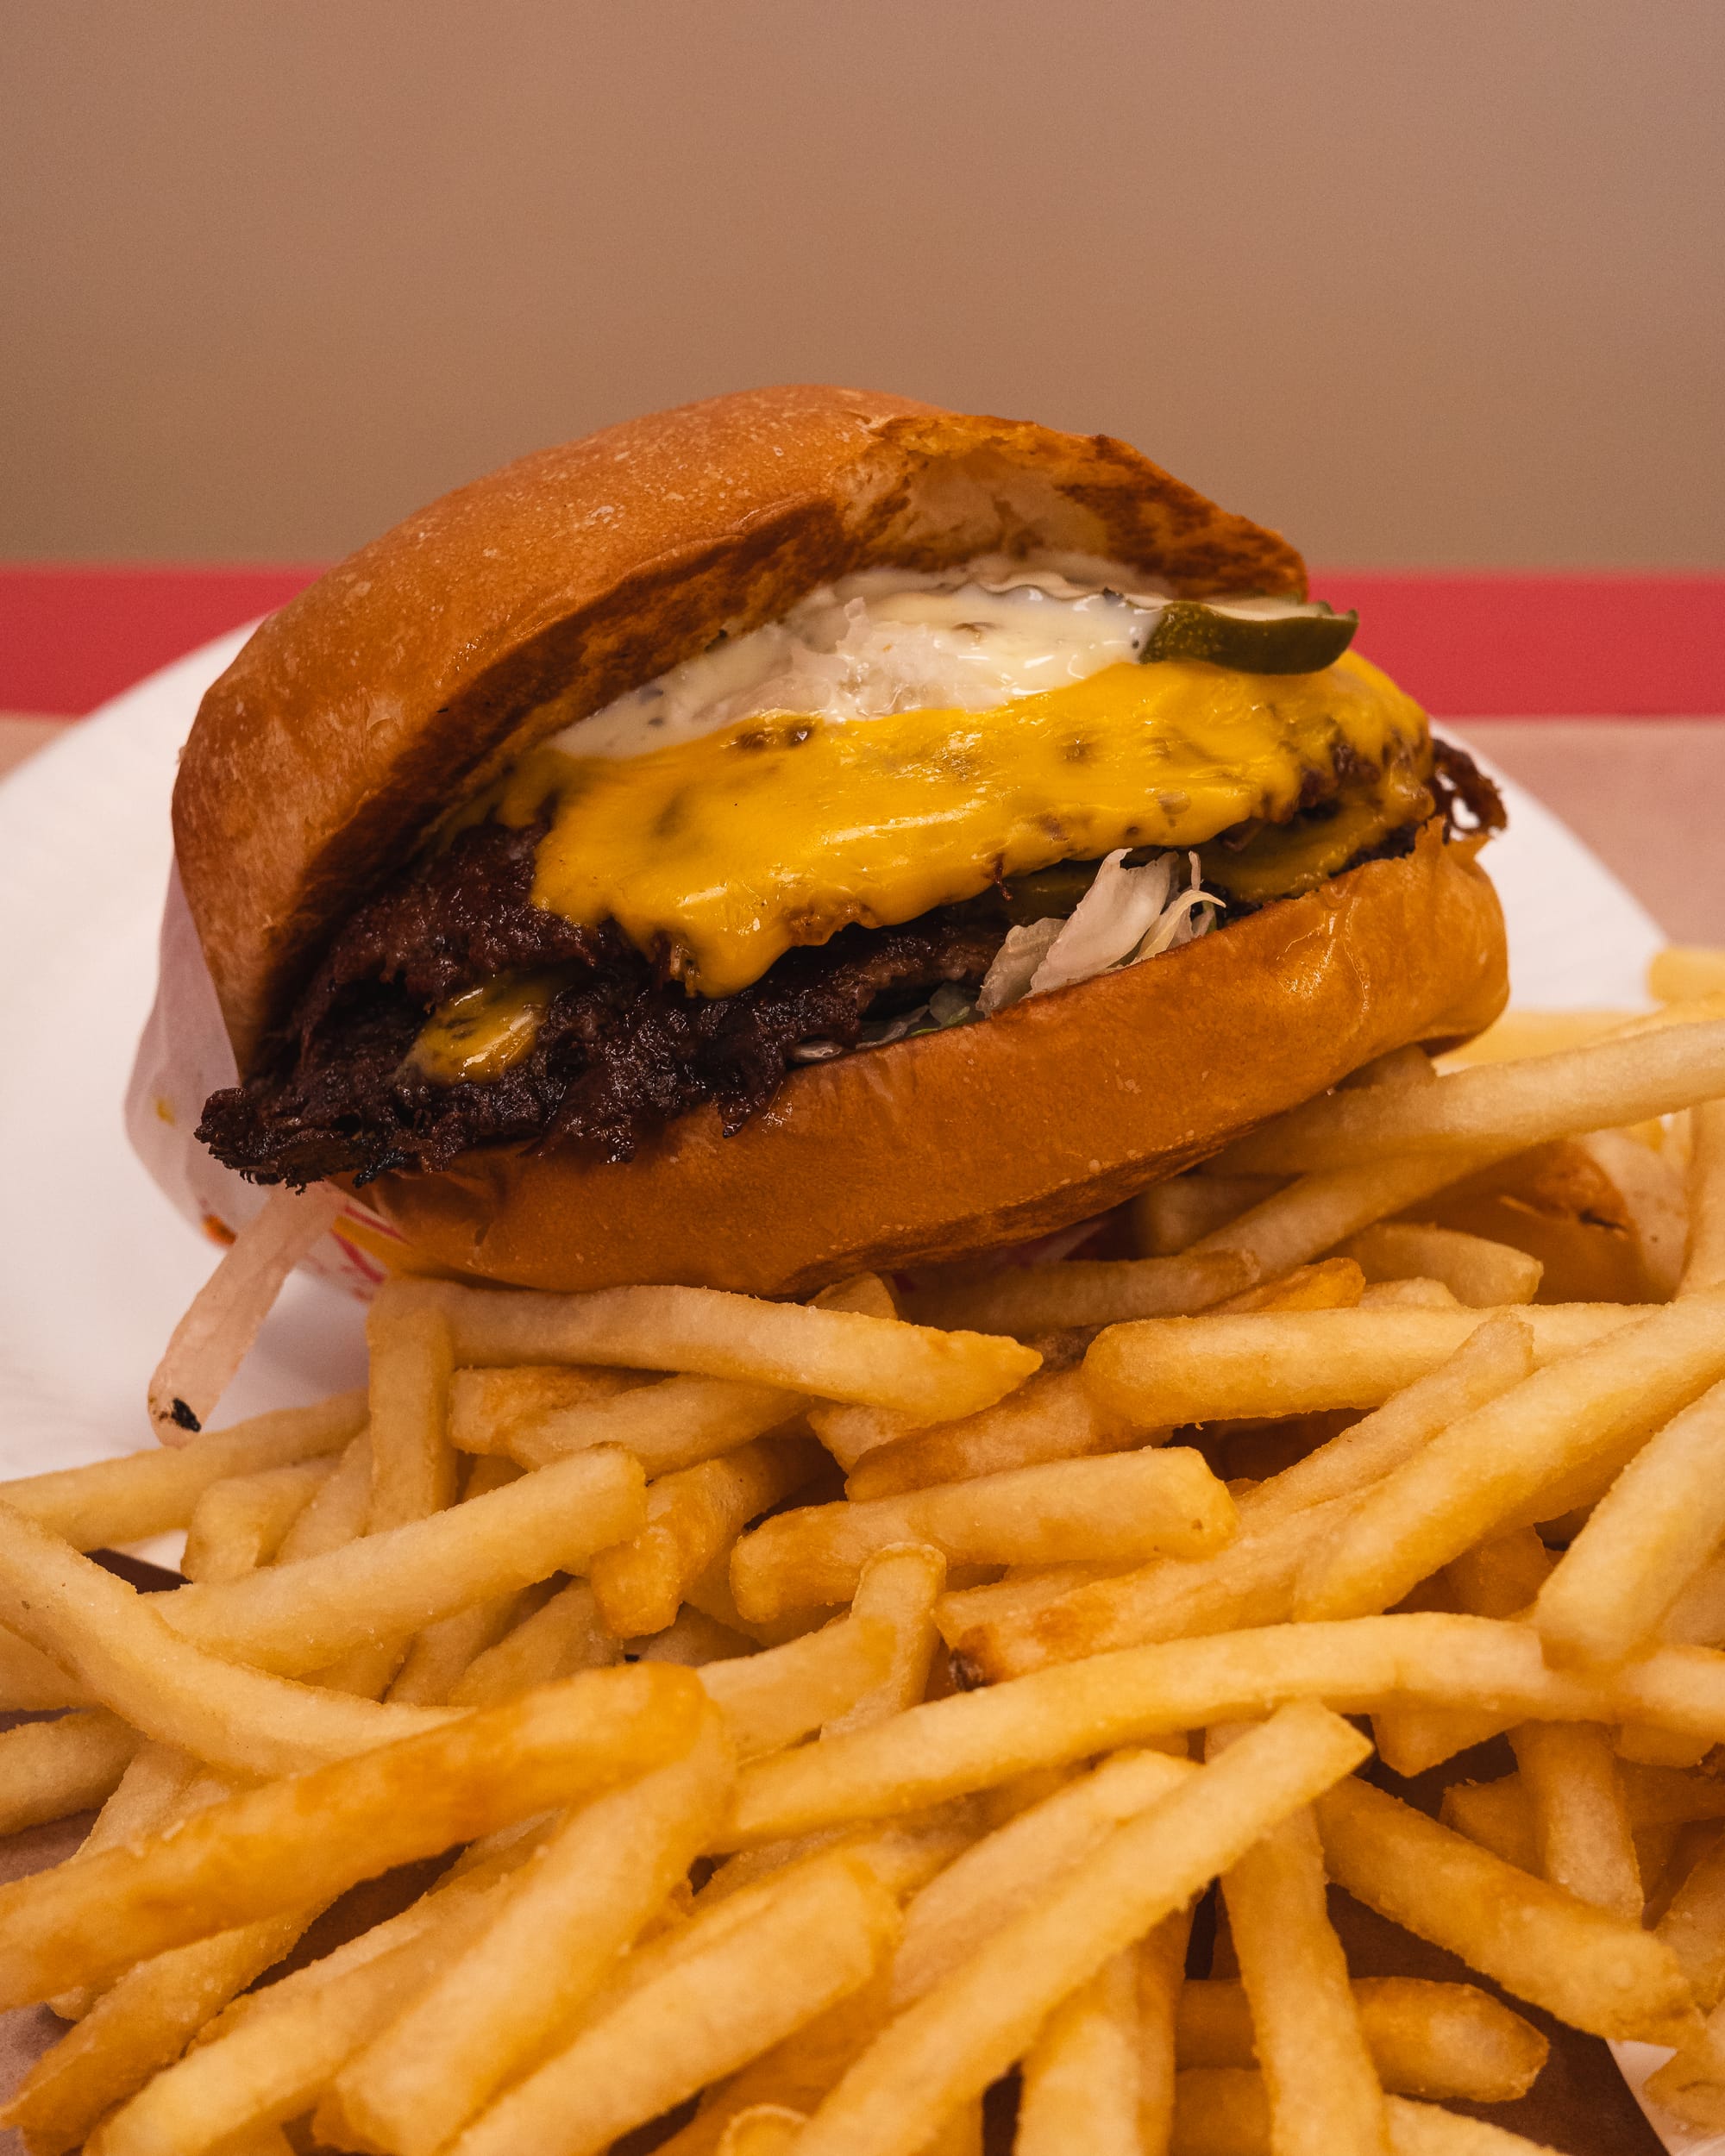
(1042, 1115)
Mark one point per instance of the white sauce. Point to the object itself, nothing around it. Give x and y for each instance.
(887, 640)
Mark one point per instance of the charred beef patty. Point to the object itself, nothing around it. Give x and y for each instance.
(620, 1051)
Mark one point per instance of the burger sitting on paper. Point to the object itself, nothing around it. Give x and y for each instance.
(808, 831)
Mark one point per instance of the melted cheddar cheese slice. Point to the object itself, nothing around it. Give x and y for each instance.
(720, 853)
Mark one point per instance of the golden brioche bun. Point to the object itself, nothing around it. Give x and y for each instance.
(409, 677)
(988, 1134)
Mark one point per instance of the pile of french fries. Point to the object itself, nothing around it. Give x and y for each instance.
(778, 1727)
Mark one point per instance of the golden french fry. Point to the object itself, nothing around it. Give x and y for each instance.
(146, 1494)
(1704, 1261)
(764, 2130)
(898, 1588)
(1121, 1505)
(504, 1409)
(1409, 1294)
(1161, 1982)
(441, 1654)
(270, 2054)
(945, 2049)
(1408, 1066)
(693, 1517)
(1171, 1217)
(1051, 1417)
(1681, 971)
(1582, 1830)
(1427, 2039)
(980, 1740)
(119, 1651)
(338, 1509)
(413, 1463)
(50, 1769)
(834, 1354)
(707, 2013)
(288, 1843)
(1602, 1086)
(1519, 1033)
(1593, 1970)
(1651, 1533)
(848, 1431)
(210, 1342)
(1224, 2111)
(1032, 1299)
(562, 1636)
(1325, 2097)
(1495, 1815)
(598, 1880)
(1332, 1283)
(770, 1699)
(1081, 2080)
(1229, 1370)
(1478, 1272)
(1481, 1471)
(1693, 1927)
(386, 1586)
(239, 1523)
(140, 2024)
(998, 1878)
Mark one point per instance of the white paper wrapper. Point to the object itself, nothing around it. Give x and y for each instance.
(183, 1058)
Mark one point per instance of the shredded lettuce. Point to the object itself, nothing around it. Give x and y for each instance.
(1127, 915)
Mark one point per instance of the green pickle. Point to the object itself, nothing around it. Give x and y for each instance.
(1253, 635)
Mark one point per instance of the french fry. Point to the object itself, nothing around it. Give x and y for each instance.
(1122, 1506)
(1229, 1370)
(139, 2025)
(979, 1739)
(1081, 2086)
(998, 1878)
(1224, 2111)
(1408, 1066)
(1681, 971)
(1408, 1295)
(1651, 1533)
(119, 1651)
(1332, 1283)
(500, 1410)
(1594, 1971)
(50, 1769)
(239, 1523)
(269, 2056)
(1704, 1261)
(413, 1463)
(1171, 1217)
(848, 1431)
(1479, 1273)
(770, 1699)
(693, 1517)
(668, 1423)
(563, 1636)
(1427, 2039)
(386, 1586)
(898, 1588)
(1583, 1836)
(1032, 1299)
(945, 2050)
(707, 2013)
(834, 1354)
(210, 1342)
(1692, 2083)
(288, 1843)
(338, 1509)
(1161, 1985)
(1602, 1086)
(146, 1494)
(1483, 1471)
(1693, 1927)
(692, 1639)
(1051, 1417)
(764, 2130)
(442, 1652)
(1519, 1033)
(1323, 2093)
(594, 1884)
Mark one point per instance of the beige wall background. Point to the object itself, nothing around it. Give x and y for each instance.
(1422, 284)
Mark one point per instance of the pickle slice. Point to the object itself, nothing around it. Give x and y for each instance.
(1253, 635)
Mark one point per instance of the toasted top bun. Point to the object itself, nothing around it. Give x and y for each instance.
(1044, 1114)
(411, 676)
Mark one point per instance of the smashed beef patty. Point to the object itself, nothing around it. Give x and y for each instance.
(620, 1050)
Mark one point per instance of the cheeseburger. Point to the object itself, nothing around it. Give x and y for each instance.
(806, 832)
